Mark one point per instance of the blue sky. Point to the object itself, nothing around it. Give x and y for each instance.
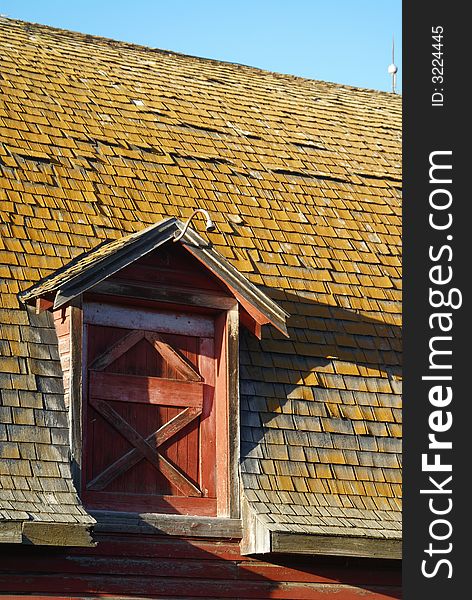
(345, 41)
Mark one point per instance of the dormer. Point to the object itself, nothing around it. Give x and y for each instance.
(148, 338)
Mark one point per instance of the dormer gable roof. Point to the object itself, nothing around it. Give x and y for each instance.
(92, 267)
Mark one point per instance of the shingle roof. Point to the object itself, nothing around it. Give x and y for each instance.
(35, 476)
(99, 139)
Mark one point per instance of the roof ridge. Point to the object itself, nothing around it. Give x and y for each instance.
(136, 45)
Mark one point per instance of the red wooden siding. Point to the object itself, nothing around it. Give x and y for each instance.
(171, 266)
(164, 567)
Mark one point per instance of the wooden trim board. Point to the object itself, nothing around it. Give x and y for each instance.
(258, 539)
(181, 323)
(77, 370)
(171, 294)
(173, 525)
(294, 543)
(57, 534)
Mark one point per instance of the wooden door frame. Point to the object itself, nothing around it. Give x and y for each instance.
(225, 312)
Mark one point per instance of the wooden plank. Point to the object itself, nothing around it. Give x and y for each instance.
(164, 504)
(177, 423)
(209, 459)
(77, 371)
(232, 332)
(223, 474)
(201, 566)
(161, 464)
(132, 457)
(99, 313)
(175, 360)
(390, 595)
(57, 534)
(188, 588)
(177, 525)
(145, 390)
(167, 293)
(212, 540)
(310, 571)
(176, 544)
(129, 565)
(116, 350)
(336, 545)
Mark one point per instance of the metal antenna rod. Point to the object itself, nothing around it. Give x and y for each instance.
(394, 75)
(392, 68)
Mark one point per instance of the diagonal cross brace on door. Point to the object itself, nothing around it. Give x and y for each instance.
(145, 448)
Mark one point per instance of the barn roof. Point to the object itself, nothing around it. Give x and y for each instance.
(101, 139)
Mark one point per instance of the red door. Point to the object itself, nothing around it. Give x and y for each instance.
(149, 434)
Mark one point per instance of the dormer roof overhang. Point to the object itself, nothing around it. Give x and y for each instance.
(89, 269)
